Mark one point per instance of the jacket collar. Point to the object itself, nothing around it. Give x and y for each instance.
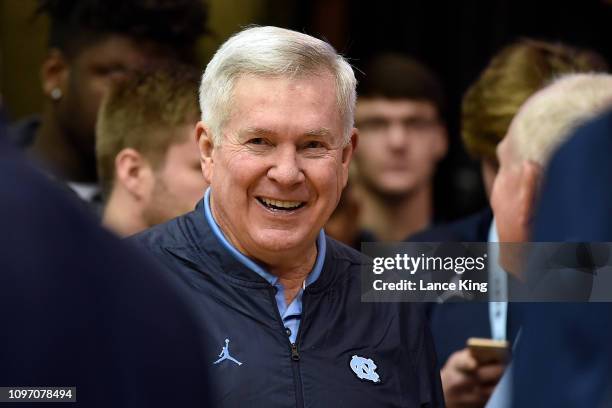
(211, 251)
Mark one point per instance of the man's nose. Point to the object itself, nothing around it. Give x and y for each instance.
(396, 138)
(286, 169)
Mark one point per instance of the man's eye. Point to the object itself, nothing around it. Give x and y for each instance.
(257, 141)
(313, 145)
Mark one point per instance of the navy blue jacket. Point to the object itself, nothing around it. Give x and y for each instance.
(79, 308)
(564, 357)
(237, 304)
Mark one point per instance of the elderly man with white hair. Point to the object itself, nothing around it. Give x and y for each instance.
(281, 299)
(541, 126)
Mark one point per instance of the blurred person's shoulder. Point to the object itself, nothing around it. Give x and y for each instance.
(185, 244)
(175, 233)
(473, 228)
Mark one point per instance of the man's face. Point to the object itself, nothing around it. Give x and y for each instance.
(90, 74)
(508, 198)
(179, 183)
(278, 173)
(512, 200)
(401, 142)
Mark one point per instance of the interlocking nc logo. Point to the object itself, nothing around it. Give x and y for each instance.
(364, 368)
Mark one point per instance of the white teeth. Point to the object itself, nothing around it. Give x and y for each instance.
(281, 204)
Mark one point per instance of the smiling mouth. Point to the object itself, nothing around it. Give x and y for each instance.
(280, 205)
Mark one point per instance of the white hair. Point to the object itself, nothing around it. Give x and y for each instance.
(549, 117)
(272, 51)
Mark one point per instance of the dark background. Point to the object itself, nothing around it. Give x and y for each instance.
(455, 39)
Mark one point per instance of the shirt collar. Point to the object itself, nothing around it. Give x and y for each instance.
(252, 265)
(492, 236)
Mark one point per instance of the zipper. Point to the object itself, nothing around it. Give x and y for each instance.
(295, 355)
(293, 347)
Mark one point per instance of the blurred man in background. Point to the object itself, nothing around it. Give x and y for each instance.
(488, 107)
(403, 137)
(148, 160)
(92, 44)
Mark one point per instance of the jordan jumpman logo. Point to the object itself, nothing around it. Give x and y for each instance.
(225, 355)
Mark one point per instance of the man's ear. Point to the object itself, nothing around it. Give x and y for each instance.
(347, 153)
(54, 73)
(203, 136)
(531, 173)
(134, 173)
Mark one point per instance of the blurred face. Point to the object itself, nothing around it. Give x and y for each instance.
(279, 171)
(488, 168)
(179, 183)
(512, 200)
(401, 142)
(90, 74)
(503, 195)
(513, 192)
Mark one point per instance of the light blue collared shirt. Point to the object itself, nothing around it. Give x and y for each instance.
(498, 311)
(498, 317)
(290, 314)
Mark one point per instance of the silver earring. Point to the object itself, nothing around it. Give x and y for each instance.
(56, 94)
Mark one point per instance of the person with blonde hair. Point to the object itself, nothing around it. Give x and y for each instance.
(512, 76)
(148, 161)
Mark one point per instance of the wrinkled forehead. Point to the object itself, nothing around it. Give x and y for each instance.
(322, 75)
(252, 91)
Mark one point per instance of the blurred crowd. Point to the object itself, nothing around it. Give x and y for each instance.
(117, 135)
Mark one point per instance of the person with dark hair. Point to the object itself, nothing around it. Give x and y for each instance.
(400, 120)
(92, 44)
